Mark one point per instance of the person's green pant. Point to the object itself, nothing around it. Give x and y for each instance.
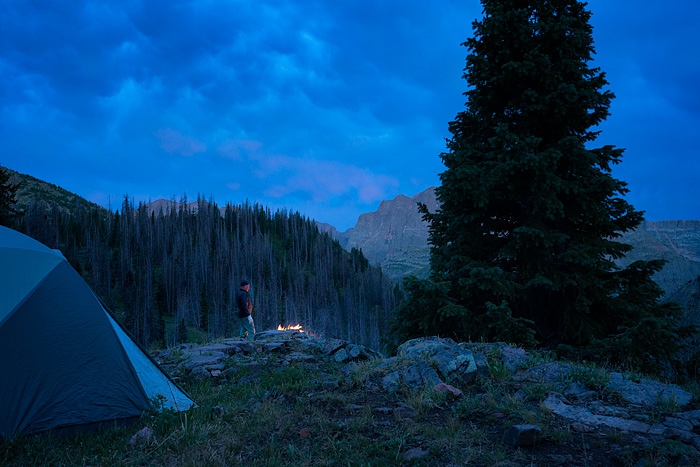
(247, 329)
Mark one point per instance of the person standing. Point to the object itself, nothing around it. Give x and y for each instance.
(245, 308)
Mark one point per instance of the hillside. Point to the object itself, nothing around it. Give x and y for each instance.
(290, 400)
(171, 268)
(32, 191)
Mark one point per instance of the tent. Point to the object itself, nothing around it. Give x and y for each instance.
(64, 361)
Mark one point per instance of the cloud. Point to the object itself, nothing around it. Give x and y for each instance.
(320, 180)
(304, 103)
(175, 142)
(238, 149)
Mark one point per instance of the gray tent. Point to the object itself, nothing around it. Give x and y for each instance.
(64, 361)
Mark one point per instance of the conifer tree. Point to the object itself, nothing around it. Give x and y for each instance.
(522, 247)
(8, 198)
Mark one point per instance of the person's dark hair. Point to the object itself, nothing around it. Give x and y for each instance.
(244, 283)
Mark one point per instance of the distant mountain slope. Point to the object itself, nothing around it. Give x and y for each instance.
(677, 242)
(395, 238)
(33, 190)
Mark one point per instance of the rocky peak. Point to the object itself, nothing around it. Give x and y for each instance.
(394, 236)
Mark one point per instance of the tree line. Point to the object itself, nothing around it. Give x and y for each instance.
(183, 265)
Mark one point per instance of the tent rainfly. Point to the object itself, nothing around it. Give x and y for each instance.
(64, 361)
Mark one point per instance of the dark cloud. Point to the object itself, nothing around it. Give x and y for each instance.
(322, 107)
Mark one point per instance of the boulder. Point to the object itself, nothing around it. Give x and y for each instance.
(421, 374)
(341, 356)
(271, 347)
(454, 363)
(648, 393)
(422, 347)
(512, 358)
(240, 346)
(547, 373)
(390, 383)
(560, 406)
(482, 365)
(447, 389)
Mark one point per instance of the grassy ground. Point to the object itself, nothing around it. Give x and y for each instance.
(284, 415)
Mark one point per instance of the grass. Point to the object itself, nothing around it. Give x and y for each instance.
(282, 416)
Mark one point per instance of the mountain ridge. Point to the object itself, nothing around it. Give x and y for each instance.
(395, 238)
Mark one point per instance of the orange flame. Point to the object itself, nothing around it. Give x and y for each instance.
(290, 328)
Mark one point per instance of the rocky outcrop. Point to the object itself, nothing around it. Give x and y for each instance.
(394, 236)
(584, 398)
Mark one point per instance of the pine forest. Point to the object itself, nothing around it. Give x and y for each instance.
(167, 272)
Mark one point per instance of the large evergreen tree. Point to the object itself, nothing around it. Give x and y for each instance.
(524, 241)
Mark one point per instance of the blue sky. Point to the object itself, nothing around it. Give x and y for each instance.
(321, 107)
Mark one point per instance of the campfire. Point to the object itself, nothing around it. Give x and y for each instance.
(290, 328)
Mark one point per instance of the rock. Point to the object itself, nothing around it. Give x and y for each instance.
(522, 435)
(414, 453)
(547, 373)
(143, 436)
(210, 351)
(298, 357)
(512, 358)
(334, 345)
(390, 383)
(447, 389)
(387, 365)
(353, 351)
(557, 404)
(248, 380)
(330, 385)
(417, 349)
(678, 424)
(271, 347)
(690, 415)
(421, 374)
(275, 335)
(210, 361)
(404, 411)
(647, 393)
(454, 363)
(348, 369)
(482, 365)
(240, 346)
(581, 428)
(370, 354)
(341, 356)
(460, 367)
